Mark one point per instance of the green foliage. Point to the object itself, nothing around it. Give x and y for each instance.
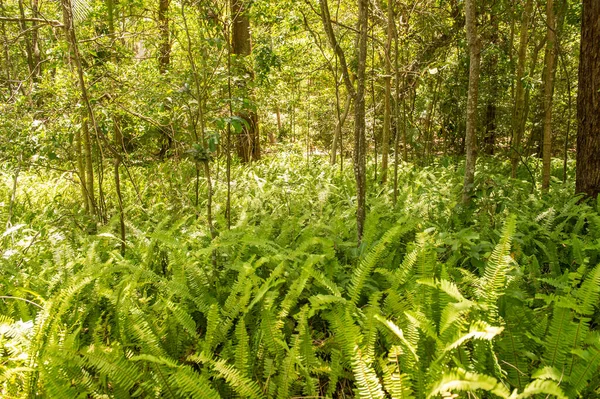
(285, 305)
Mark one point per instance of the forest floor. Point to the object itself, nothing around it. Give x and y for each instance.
(501, 296)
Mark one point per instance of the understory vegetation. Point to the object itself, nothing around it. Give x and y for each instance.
(495, 299)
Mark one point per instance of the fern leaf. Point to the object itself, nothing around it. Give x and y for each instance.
(368, 263)
(536, 387)
(461, 380)
(367, 383)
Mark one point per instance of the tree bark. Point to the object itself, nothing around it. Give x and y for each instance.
(337, 136)
(518, 124)
(35, 42)
(489, 138)
(549, 71)
(359, 119)
(164, 48)
(241, 42)
(387, 115)
(470, 136)
(7, 63)
(26, 33)
(588, 103)
(87, 113)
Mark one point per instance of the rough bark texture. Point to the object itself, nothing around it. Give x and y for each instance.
(548, 92)
(248, 146)
(518, 124)
(588, 102)
(359, 119)
(470, 137)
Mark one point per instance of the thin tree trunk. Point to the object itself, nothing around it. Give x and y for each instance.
(164, 48)
(588, 103)
(489, 140)
(359, 119)
(119, 146)
(519, 108)
(7, 63)
(549, 72)
(248, 143)
(230, 109)
(27, 35)
(35, 42)
(470, 136)
(337, 136)
(527, 101)
(118, 135)
(87, 113)
(387, 115)
(397, 109)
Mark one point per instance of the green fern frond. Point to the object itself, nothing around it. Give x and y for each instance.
(242, 349)
(479, 330)
(536, 387)
(586, 367)
(369, 262)
(589, 293)
(367, 382)
(461, 380)
(395, 383)
(400, 334)
(491, 285)
(241, 384)
(288, 373)
(559, 337)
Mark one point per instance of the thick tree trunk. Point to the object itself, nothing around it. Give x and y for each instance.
(241, 42)
(470, 136)
(518, 124)
(359, 119)
(588, 103)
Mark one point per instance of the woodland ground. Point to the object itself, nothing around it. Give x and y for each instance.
(499, 299)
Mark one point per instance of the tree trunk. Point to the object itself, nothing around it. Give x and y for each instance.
(470, 136)
(387, 115)
(241, 42)
(337, 136)
(359, 118)
(526, 105)
(164, 48)
(25, 32)
(35, 42)
(87, 112)
(489, 138)
(549, 71)
(518, 124)
(7, 63)
(588, 103)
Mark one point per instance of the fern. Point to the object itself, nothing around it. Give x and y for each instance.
(369, 262)
(461, 380)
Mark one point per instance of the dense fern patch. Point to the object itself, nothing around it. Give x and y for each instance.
(498, 300)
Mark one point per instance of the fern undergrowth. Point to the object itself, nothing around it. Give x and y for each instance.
(497, 300)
